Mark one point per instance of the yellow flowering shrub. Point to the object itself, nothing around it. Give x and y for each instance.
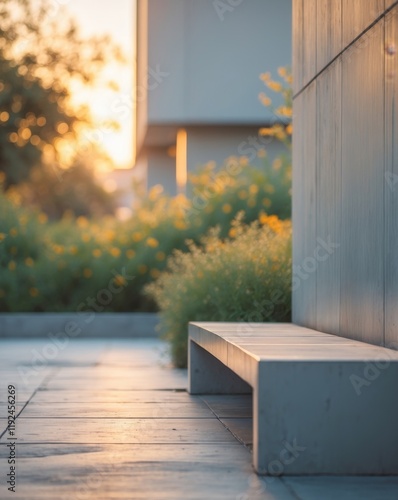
(244, 279)
(72, 259)
(282, 129)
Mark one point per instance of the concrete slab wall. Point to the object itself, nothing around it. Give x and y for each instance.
(208, 144)
(211, 55)
(345, 173)
(78, 325)
(198, 66)
(161, 169)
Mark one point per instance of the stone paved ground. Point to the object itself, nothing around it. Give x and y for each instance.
(111, 420)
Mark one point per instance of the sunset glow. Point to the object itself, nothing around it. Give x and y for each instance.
(115, 19)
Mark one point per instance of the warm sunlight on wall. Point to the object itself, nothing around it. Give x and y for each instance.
(181, 160)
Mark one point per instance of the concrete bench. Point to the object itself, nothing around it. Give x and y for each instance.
(322, 404)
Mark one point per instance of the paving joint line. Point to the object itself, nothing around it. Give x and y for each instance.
(290, 489)
(44, 381)
(225, 427)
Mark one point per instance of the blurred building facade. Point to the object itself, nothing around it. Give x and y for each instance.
(197, 82)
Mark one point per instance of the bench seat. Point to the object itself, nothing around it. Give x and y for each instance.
(322, 404)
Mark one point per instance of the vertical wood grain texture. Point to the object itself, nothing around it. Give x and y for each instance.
(329, 41)
(362, 248)
(391, 183)
(298, 40)
(357, 16)
(309, 40)
(388, 3)
(328, 199)
(304, 207)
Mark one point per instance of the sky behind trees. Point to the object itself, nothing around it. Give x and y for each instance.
(117, 19)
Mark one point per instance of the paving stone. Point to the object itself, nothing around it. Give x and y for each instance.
(167, 472)
(142, 379)
(234, 406)
(109, 396)
(241, 428)
(75, 442)
(344, 488)
(131, 409)
(110, 431)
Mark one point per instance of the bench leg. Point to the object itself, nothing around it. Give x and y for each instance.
(207, 375)
(260, 460)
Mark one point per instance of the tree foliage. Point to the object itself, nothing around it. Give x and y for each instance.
(42, 57)
(77, 192)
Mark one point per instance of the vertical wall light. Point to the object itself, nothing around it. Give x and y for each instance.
(181, 160)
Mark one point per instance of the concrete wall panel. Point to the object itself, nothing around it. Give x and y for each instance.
(362, 230)
(391, 182)
(328, 202)
(309, 40)
(356, 174)
(358, 16)
(304, 208)
(329, 41)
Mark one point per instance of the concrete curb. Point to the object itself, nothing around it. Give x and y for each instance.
(79, 325)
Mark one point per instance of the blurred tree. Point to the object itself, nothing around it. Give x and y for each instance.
(78, 192)
(42, 57)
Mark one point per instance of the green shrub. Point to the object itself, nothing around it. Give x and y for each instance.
(244, 279)
(55, 266)
(218, 194)
(21, 245)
